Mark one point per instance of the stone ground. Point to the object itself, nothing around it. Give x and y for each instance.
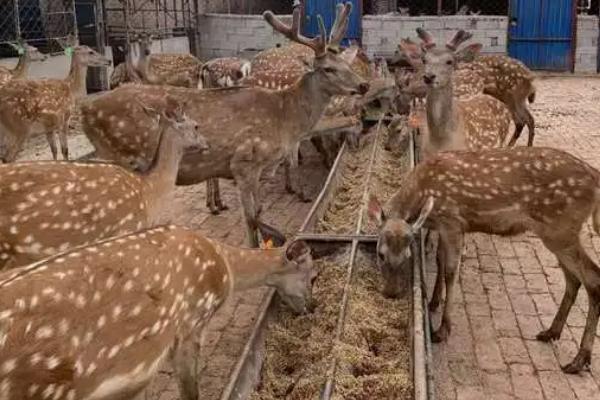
(510, 288)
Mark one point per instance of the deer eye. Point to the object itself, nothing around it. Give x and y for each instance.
(449, 62)
(329, 70)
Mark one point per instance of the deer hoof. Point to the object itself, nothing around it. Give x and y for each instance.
(434, 304)
(223, 207)
(441, 335)
(581, 362)
(547, 335)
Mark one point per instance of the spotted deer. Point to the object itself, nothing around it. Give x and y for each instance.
(181, 70)
(221, 73)
(476, 123)
(248, 129)
(511, 82)
(97, 322)
(47, 207)
(44, 105)
(503, 192)
(27, 54)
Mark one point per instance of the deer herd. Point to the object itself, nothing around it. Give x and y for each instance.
(94, 295)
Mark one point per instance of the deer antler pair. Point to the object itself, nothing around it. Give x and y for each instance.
(459, 38)
(319, 44)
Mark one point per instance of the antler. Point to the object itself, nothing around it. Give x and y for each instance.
(428, 41)
(318, 44)
(340, 26)
(459, 38)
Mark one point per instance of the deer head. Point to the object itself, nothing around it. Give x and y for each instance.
(393, 245)
(88, 56)
(439, 64)
(294, 282)
(24, 49)
(335, 75)
(174, 117)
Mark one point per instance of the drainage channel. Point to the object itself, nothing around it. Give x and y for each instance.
(247, 373)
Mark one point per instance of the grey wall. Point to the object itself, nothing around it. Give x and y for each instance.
(586, 54)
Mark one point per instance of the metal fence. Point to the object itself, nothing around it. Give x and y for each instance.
(39, 22)
(439, 7)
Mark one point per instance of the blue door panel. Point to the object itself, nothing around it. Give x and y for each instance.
(326, 8)
(542, 33)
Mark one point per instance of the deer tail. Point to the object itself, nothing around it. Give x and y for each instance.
(531, 96)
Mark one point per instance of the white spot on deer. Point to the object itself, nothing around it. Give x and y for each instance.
(44, 332)
(136, 310)
(9, 365)
(101, 321)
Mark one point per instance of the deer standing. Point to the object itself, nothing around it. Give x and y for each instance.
(47, 207)
(97, 322)
(453, 124)
(248, 129)
(44, 105)
(27, 54)
(504, 192)
(221, 73)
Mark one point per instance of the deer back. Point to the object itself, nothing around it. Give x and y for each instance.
(503, 191)
(280, 67)
(97, 322)
(224, 72)
(486, 121)
(47, 207)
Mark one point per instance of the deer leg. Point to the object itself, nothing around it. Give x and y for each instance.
(64, 146)
(584, 356)
(185, 364)
(210, 196)
(218, 201)
(436, 297)
(571, 289)
(530, 125)
(518, 130)
(451, 241)
(52, 142)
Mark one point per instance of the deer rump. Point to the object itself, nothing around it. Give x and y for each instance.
(230, 119)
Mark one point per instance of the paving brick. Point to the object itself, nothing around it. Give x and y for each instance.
(489, 263)
(505, 323)
(498, 382)
(484, 244)
(499, 299)
(542, 355)
(544, 304)
(522, 304)
(529, 325)
(525, 382)
(555, 385)
(469, 393)
(513, 282)
(584, 386)
(510, 265)
(530, 264)
(536, 283)
(503, 246)
(487, 350)
(514, 350)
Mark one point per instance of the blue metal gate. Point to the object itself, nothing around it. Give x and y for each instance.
(541, 33)
(326, 8)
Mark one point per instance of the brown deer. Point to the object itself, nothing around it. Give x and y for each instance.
(98, 321)
(453, 124)
(248, 129)
(221, 73)
(47, 207)
(511, 82)
(44, 105)
(181, 70)
(504, 192)
(27, 54)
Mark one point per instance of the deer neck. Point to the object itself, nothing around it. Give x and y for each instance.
(251, 268)
(407, 202)
(145, 70)
(77, 76)
(307, 102)
(160, 178)
(441, 114)
(20, 70)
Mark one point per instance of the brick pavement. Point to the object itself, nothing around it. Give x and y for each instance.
(510, 288)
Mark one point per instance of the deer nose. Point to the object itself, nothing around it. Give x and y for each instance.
(363, 88)
(428, 78)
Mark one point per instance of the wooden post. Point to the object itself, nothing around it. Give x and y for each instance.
(439, 7)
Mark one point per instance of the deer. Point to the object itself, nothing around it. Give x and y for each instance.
(44, 105)
(504, 192)
(221, 72)
(500, 76)
(181, 70)
(47, 207)
(248, 129)
(27, 54)
(478, 122)
(98, 321)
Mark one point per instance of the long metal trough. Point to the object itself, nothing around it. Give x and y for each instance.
(246, 373)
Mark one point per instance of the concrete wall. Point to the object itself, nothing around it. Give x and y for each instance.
(382, 33)
(586, 57)
(223, 35)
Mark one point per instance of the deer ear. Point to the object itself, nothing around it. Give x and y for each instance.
(296, 250)
(151, 111)
(468, 53)
(350, 54)
(375, 211)
(425, 211)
